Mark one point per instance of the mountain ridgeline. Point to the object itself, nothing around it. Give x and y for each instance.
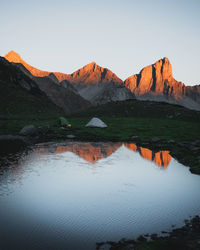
(95, 85)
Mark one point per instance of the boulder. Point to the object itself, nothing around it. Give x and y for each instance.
(12, 144)
(71, 136)
(96, 122)
(28, 130)
(155, 139)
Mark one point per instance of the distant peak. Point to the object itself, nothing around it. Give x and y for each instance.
(13, 56)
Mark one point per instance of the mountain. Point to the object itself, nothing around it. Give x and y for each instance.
(20, 95)
(93, 74)
(43, 87)
(14, 57)
(156, 82)
(93, 83)
(100, 85)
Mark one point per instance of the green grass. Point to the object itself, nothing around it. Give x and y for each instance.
(122, 128)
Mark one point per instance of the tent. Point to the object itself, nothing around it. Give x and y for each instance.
(96, 123)
(64, 122)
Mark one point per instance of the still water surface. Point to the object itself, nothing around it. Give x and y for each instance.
(72, 195)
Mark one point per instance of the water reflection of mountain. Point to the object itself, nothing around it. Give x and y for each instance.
(161, 158)
(93, 152)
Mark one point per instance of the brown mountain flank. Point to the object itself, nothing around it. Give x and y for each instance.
(99, 85)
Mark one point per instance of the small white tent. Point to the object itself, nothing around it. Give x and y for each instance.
(96, 123)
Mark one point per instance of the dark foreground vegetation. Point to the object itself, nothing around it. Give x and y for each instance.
(184, 238)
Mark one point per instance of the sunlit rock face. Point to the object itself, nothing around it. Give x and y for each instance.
(89, 74)
(12, 56)
(93, 74)
(100, 85)
(156, 78)
(156, 82)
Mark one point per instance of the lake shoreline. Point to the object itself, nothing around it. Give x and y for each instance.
(186, 237)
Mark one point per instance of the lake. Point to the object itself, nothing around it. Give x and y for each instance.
(71, 195)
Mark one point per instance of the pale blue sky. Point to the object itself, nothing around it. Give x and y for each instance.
(123, 35)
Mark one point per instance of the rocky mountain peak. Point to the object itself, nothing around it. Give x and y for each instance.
(12, 56)
(152, 78)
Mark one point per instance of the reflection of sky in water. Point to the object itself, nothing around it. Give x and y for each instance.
(64, 200)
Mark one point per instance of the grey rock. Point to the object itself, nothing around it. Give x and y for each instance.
(155, 139)
(134, 137)
(43, 129)
(28, 130)
(11, 138)
(12, 143)
(71, 136)
(171, 141)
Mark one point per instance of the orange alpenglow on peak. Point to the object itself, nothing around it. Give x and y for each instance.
(155, 79)
(13, 56)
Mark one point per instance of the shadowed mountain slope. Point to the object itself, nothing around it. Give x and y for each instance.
(20, 95)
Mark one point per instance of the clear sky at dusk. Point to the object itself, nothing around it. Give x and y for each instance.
(122, 35)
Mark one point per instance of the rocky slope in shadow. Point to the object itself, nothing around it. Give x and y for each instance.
(18, 89)
(20, 95)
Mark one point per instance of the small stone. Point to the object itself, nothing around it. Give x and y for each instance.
(28, 130)
(71, 136)
(155, 139)
(171, 141)
(134, 137)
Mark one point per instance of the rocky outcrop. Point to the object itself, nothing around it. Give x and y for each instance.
(156, 82)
